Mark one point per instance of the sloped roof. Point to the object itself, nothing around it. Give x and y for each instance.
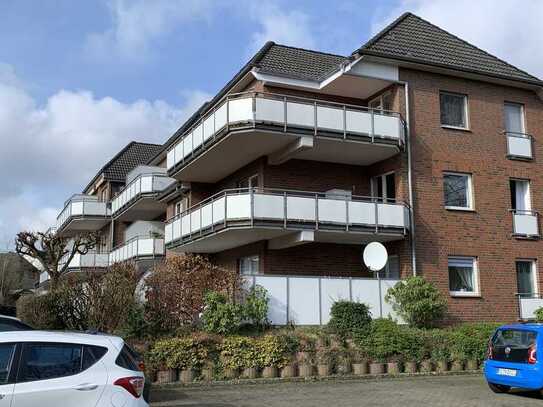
(134, 154)
(414, 39)
(299, 63)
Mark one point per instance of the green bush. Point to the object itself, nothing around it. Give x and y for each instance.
(274, 350)
(417, 301)
(180, 353)
(256, 307)
(470, 341)
(437, 344)
(221, 316)
(239, 352)
(347, 317)
(385, 340)
(539, 314)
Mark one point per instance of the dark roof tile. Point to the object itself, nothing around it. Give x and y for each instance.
(415, 39)
(134, 154)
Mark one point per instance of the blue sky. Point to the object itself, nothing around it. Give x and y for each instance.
(79, 80)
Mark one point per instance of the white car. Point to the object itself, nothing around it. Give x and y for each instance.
(57, 369)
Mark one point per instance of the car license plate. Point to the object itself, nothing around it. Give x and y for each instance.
(507, 372)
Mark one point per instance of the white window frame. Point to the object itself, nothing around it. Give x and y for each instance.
(178, 205)
(466, 110)
(470, 199)
(528, 191)
(534, 273)
(251, 257)
(379, 100)
(522, 114)
(475, 279)
(382, 179)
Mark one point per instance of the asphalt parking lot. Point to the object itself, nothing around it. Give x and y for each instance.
(457, 391)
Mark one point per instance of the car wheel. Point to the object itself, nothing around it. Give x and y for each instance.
(498, 388)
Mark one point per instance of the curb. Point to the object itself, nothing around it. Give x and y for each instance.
(312, 379)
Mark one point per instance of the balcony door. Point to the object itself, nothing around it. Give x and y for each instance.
(383, 187)
(520, 195)
(526, 278)
(249, 182)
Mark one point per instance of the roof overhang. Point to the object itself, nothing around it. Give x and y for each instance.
(444, 70)
(356, 79)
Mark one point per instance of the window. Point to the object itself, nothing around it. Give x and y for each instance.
(526, 278)
(7, 350)
(384, 187)
(463, 276)
(514, 118)
(457, 191)
(454, 110)
(382, 102)
(127, 359)
(392, 269)
(49, 360)
(249, 265)
(181, 205)
(249, 182)
(91, 355)
(520, 195)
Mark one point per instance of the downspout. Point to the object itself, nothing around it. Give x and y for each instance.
(410, 180)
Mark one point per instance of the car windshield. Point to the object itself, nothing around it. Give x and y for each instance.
(512, 345)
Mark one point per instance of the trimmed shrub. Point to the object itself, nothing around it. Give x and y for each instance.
(239, 352)
(387, 341)
(180, 353)
(417, 301)
(347, 317)
(274, 350)
(470, 341)
(437, 344)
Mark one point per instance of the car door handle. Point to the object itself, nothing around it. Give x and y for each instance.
(86, 387)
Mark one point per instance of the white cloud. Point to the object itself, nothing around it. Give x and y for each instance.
(289, 27)
(510, 30)
(136, 24)
(53, 150)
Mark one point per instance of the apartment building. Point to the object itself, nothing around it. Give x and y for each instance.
(418, 140)
(119, 204)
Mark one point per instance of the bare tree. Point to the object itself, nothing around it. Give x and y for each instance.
(53, 252)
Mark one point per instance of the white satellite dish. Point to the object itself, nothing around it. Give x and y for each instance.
(375, 256)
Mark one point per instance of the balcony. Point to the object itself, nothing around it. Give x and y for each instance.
(240, 216)
(137, 199)
(528, 304)
(90, 260)
(138, 248)
(82, 213)
(519, 146)
(525, 224)
(246, 126)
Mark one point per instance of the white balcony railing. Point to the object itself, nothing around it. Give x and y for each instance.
(528, 304)
(142, 184)
(286, 209)
(80, 206)
(138, 247)
(525, 223)
(286, 113)
(519, 145)
(89, 260)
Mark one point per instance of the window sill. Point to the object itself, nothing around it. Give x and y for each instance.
(444, 126)
(460, 294)
(459, 208)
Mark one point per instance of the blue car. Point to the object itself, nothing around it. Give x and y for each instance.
(512, 358)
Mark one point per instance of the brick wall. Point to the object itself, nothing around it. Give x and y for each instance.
(485, 232)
